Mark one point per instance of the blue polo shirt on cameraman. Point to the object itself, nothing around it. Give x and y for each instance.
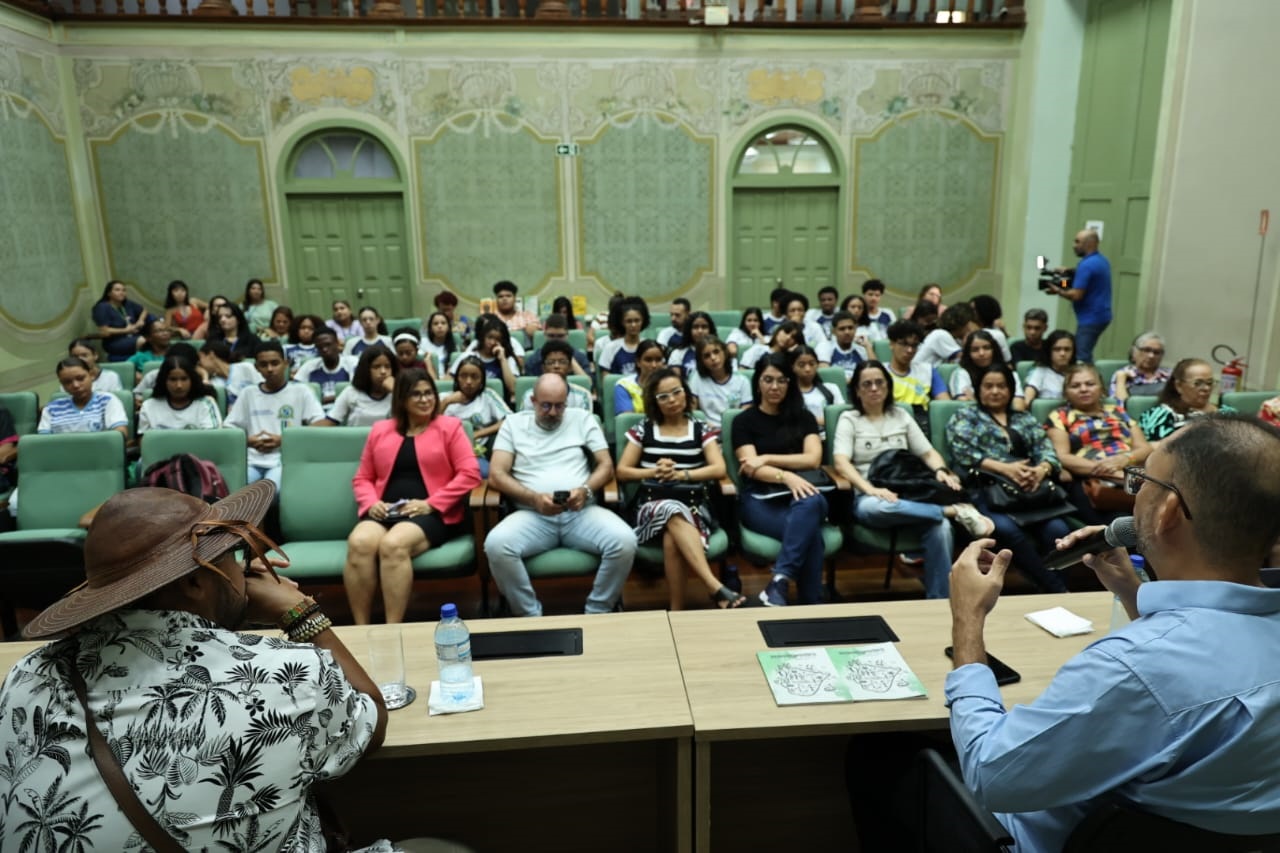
(1093, 276)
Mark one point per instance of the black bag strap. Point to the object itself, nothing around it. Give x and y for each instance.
(150, 830)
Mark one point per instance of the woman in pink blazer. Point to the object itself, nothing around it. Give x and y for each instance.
(411, 488)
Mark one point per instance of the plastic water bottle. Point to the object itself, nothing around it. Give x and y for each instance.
(453, 656)
(1119, 616)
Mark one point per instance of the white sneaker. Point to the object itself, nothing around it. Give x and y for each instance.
(977, 524)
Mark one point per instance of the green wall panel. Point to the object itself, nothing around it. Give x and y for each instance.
(924, 203)
(184, 201)
(39, 245)
(490, 209)
(646, 208)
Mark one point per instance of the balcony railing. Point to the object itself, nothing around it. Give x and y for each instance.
(873, 14)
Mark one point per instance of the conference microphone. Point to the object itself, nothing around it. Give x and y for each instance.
(1120, 533)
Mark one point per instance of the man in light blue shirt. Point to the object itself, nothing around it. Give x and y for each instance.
(1175, 713)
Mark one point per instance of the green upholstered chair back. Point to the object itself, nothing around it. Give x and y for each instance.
(945, 371)
(940, 411)
(577, 340)
(831, 416)
(24, 406)
(1136, 406)
(835, 375)
(64, 476)
(1024, 369)
(726, 322)
(1107, 368)
(1244, 402)
(316, 500)
(414, 323)
(882, 351)
(726, 441)
(223, 447)
(607, 408)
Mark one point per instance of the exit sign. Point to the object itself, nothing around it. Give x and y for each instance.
(567, 149)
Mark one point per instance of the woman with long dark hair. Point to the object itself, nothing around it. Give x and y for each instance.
(257, 307)
(119, 320)
(411, 488)
(185, 313)
(180, 399)
(367, 399)
(773, 441)
(981, 350)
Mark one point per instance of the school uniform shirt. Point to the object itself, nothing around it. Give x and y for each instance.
(747, 360)
(684, 358)
(814, 334)
(492, 367)
(741, 339)
(771, 322)
(258, 411)
(241, 375)
(830, 353)
(823, 321)
(355, 346)
(108, 381)
(202, 413)
(296, 354)
(938, 347)
(716, 398)
(618, 357)
(883, 318)
(816, 402)
(1047, 382)
(437, 353)
(102, 412)
(670, 337)
(921, 384)
(356, 408)
(485, 409)
(314, 370)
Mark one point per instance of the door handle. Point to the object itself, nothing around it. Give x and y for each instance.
(360, 293)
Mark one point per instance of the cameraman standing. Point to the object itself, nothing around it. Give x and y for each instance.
(1090, 293)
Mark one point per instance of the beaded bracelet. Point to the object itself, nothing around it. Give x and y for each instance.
(305, 605)
(311, 629)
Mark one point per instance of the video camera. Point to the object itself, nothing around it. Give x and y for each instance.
(1050, 280)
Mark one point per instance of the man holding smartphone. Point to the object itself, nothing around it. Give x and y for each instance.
(540, 463)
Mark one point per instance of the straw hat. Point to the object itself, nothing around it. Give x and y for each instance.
(141, 540)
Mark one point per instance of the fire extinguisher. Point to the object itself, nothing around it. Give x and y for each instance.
(1232, 370)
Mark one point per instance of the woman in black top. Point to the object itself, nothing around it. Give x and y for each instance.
(772, 441)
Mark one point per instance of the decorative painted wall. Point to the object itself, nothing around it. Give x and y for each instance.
(638, 208)
(39, 244)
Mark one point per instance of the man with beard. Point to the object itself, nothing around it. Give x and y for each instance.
(1090, 294)
(1175, 713)
(540, 462)
(214, 737)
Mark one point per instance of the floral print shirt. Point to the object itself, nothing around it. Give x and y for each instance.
(1095, 436)
(221, 735)
(973, 435)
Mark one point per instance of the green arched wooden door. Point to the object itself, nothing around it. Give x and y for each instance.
(347, 231)
(786, 202)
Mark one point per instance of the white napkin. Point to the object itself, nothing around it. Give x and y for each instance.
(436, 703)
(1060, 622)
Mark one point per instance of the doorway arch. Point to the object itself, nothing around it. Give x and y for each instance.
(347, 225)
(784, 217)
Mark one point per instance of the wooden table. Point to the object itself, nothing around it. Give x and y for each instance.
(769, 776)
(583, 753)
(587, 752)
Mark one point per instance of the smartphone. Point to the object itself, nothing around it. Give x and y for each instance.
(393, 511)
(1003, 672)
(561, 498)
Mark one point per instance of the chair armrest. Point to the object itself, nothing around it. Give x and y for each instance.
(612, 493)
(841, 483)
(727, 488)
(492, 497)
(478, 499)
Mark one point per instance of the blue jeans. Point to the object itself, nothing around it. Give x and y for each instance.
(266, 472)
(1025, 556)
(1087, 335)
(928, 520)
(525, 533)
(798, 525)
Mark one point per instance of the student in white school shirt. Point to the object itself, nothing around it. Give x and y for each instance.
(265, 410)
(841, 351)
(180, 400)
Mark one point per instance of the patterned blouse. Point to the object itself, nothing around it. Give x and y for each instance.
(221, 734)
(973, 435)
(1095, 436)
(1134, 378)
(1162, 421)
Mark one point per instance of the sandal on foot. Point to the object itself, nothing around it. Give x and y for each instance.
(733, 600)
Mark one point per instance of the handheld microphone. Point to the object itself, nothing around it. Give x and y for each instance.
(1120, 533)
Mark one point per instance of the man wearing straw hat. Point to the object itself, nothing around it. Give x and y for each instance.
(220, 735)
